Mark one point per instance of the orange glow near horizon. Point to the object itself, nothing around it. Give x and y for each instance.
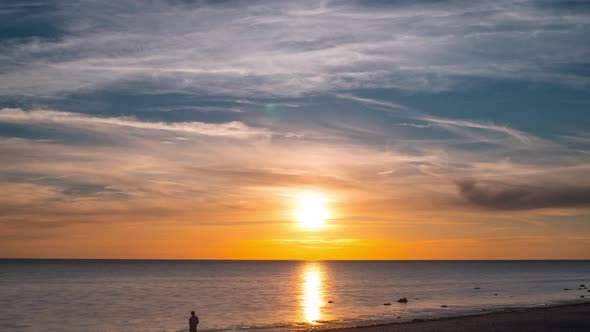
(263, 223)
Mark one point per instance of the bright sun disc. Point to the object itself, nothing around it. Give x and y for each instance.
(311, 212)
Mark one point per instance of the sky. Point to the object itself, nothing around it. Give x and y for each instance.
(190, 129)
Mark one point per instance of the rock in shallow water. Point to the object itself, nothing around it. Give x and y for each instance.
(402, 300)
(387, 303)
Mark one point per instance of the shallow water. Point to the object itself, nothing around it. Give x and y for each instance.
(156, 296)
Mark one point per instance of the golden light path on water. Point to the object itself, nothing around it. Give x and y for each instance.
(312, 291)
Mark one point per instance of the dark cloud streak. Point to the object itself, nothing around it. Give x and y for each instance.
(523, 197)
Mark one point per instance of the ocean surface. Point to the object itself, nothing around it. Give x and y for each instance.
(157, 296)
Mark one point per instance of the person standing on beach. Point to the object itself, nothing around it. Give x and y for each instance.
(193, 322)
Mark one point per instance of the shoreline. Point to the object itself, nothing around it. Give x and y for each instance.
(558, 317)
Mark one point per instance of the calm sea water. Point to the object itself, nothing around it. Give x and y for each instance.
(157, 296)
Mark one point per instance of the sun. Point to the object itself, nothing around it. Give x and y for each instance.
(311, 211)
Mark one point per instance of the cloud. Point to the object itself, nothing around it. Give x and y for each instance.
(524, 197)
(513, 133)
(415, 125)
(370, 101)
(288, 49)
(231, 129)
(461, 127)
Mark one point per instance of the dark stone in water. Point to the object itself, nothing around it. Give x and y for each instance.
(581, 295)
(399, 317)
(475, 287)
(496, 294)
(582, 286)
(443, 306)
(402, 300)
(387, 303)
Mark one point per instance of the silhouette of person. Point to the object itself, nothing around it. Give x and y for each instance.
(193, 322)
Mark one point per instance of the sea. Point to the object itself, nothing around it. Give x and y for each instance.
(158, 295)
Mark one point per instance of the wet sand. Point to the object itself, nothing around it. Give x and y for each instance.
(574, 317)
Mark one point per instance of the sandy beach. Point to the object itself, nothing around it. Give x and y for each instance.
(574, 317)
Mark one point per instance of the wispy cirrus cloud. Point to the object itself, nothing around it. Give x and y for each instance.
(454, 125)
(387, 104)
(518, 135)
(231, 129)
(280, 49)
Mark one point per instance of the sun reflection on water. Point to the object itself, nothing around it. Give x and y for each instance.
(312, 292)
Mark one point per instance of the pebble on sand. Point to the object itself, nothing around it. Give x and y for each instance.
(444, 306)
(387, 303)
(475, 287)
(402, 300)
(330, 301)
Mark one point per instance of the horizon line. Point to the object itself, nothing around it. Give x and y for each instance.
(295, 260)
